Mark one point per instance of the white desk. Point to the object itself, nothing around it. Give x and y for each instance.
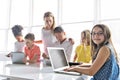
(34, 71)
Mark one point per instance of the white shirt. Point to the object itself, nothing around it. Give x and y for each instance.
(48, 39)
(67, 46)
(19, 46)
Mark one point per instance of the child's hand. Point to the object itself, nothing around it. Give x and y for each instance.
(8, 55)
(45, 56)
(71, 41)
(70, 69)
(25, 60)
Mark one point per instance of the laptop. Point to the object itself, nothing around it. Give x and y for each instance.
(17, 57)
(59, 61)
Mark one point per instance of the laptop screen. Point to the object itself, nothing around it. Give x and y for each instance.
(17, 57)
(57, 57)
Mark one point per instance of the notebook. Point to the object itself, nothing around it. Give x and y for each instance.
(17, 57)
(58, 60)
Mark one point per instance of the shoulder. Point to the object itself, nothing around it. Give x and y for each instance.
(104, 50)
(25, 48)
(43, 29)
(19, 43)
(56, 43)
(67, 42)
(79, 46)
(16, 42)
(36, 48)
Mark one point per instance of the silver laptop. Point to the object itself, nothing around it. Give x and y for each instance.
(58, 60)
(17, 57)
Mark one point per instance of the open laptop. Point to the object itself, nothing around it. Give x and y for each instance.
(58, 60)
(17, 57)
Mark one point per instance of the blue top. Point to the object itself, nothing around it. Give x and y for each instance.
(110, 69)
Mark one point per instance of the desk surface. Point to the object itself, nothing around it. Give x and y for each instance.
(34, 71)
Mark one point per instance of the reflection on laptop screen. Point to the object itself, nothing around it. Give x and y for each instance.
(58, 58)
(17, 57)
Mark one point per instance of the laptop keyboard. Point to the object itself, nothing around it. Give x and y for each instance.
(72, 73)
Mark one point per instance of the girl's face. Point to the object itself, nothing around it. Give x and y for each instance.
(48, 22)
(97, 35)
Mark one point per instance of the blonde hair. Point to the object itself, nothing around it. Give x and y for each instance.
(86, 34)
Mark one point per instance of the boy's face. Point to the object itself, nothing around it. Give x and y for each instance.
(29, 43)
(60, 36)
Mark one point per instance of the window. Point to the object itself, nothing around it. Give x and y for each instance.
(110, 9)
(73, 15)
(115, 33)
(20, 12)
(3, 40)
(4, 14)
(77, 10)
(42, 6)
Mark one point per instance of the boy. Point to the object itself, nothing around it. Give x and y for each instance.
(32, 51)
(63, 41)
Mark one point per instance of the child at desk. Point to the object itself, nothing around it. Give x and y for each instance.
(82, 51)
(32, 51)
(63, 41)
(104, 57)
(19, 44)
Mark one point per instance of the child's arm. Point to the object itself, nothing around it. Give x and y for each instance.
(36, 56)
(45, 56)
(85, 65)
(75, 57)
(38, 42)
(8, 55)
(34, 59)
(25, 59)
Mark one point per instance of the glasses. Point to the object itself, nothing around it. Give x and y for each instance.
(98, 33)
